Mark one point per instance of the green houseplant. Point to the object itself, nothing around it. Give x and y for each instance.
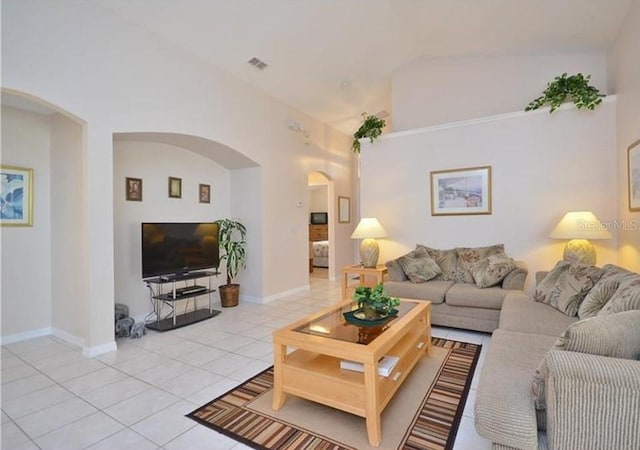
(371, 128)
(232, 236)
(374, 302)
(576, 87)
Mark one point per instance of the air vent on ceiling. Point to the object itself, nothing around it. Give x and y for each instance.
(257, 63)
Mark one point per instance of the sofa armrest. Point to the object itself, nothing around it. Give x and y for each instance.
(395, 271)
(516, 278)
(593, 402)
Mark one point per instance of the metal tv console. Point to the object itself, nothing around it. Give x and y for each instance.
(162, 299)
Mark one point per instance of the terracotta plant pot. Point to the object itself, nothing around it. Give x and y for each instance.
(229, 295)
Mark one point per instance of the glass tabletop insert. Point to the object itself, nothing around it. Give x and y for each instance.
(333, 325)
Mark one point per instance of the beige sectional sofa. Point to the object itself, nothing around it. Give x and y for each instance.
(592, 399)
(455, 300)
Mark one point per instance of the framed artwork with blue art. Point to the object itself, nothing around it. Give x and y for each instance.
(16, 196)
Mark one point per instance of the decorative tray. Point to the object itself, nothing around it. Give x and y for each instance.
(356, 317)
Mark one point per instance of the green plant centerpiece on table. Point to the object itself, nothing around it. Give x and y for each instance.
(576, 87)
(371, 128)
(374, 302)
(232, 236)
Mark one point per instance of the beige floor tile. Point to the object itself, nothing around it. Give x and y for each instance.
(18, 388)
(190, 382)
(54, 417)
(36, 401)
(73, 370)
(94, 380)
(126, 439)
(164, 372)
(167, 424)
(80, 434)
(141, 406)
(17, 372)
(201, 438)
(115, 392)
(212, 392)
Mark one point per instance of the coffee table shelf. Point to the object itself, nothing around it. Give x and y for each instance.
(312, 371)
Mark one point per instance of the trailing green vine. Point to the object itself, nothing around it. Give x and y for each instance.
(576, 87)
(371, 128)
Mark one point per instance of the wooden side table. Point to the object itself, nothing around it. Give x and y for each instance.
(367, 276)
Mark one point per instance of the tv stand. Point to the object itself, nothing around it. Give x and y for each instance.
(164, 298)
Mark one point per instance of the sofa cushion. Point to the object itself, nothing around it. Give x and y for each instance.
(466, 294)
(492, 270)
(431, 290)
(567, 285)
(520, 313)
(470, 255)
(504, 410)
(627, 296)
(614, 335)
(447, 260)
(597, 298)
(395, 271)
(418, 266)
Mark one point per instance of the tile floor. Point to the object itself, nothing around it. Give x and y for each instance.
(136, 397)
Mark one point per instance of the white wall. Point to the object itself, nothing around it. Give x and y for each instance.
(625, 69)
(120, 78)
(543, 165)
(155, 163)
(442, 90)
(69, 287)
(318, 201)
(26, 251)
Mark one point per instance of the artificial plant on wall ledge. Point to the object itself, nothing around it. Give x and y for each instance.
(371, 128)
(562, 88)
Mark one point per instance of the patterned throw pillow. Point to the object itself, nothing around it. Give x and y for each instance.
(567, 285)
(490, 271)
(597, 298)
(625, 298)
(418, 266)
(468, 256)
(445, 259)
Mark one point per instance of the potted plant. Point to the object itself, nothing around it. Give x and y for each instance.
(374, 302)
(576, 87)
(370, 128)
(232, 236)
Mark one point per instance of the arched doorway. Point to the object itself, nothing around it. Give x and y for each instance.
(321, 220)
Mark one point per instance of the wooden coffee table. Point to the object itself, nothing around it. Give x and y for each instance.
(312, 371)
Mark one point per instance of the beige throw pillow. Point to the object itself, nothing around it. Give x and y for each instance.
(445, 259)
(566, 286)
(418, 266)
(492, 270)
(468, 256)
(597, 298)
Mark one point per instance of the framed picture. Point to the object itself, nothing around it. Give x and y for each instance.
(133, 188)
(461, 191)
(175, 187)
(16, 196)
(633, 160)
(344, 210)
(204, 193)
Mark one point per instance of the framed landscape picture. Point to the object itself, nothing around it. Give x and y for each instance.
(204, 193)
(175, 187)
(16, 196)
(633, 161)
(461, 191)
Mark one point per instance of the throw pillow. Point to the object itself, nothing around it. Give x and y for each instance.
(626, 297)
(395, 271)
(468, 256)
(597, 298)
(418, 266)
(566, 286)
(490, 271)
(445, 259)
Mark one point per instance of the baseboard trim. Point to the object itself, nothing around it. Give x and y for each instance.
(68, 337)
(98, 350)
(279, 295)
(25, 335)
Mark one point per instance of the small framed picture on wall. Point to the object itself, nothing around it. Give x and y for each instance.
(133, 188)
(175, 187)
(633, 160)
(461, 191)
(204, 193)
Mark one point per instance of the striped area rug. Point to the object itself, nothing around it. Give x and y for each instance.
(424, 414)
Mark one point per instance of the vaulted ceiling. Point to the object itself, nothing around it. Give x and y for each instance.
(333, 59)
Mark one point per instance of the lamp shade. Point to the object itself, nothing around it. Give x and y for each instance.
(368, 228)
(580, 225)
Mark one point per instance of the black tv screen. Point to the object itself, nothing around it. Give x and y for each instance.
(175, 248)
(319, 218)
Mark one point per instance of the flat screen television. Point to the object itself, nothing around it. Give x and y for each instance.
(319, 218)
(177, 248)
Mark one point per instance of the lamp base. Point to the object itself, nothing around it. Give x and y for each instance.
(580, 251)
(369, 252)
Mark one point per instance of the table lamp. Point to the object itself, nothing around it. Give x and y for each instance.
(369, 229)
(579, 226)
